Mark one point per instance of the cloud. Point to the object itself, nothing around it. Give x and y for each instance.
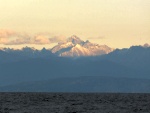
(40, 40)
(57, 39)
(3, 40)
(18, 41)
(6, 33)
(13, 38)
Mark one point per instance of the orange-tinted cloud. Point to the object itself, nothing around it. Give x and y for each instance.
(18, 41)
(3, 40)
(40, 40)
(57, 39)
(5, 35)
(13, 38)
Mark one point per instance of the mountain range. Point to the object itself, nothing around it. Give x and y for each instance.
(74, 47)
(83, 84)
(102, 70)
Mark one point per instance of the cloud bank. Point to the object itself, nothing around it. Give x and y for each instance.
(8, 37)
(5, 35)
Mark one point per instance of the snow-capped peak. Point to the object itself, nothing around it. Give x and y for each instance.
(75, 40)
(74, 46)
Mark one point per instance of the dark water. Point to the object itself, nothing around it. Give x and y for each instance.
(74, 103)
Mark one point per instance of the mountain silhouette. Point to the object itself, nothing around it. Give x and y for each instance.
(28, 65)
(83, 84)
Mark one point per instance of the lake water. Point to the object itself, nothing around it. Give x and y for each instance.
(74, 103)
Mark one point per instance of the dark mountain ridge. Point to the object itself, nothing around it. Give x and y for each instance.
(28, 64)
(83, 84)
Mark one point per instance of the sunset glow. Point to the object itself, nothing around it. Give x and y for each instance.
(116, 23)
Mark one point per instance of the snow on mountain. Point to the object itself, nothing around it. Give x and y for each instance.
(76, 50)
(74, 47)
(75, 40)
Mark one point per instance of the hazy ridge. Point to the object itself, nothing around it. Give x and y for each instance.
(123, 70)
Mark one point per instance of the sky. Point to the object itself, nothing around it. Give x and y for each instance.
(43, 23)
